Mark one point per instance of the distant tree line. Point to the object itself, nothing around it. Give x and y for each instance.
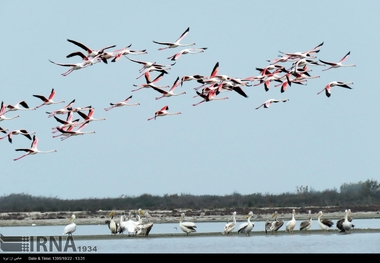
(365, 193)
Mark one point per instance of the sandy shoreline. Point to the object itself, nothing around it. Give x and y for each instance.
(157, 217)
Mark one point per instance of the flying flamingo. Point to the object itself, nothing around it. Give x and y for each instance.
(22, 105)
(91, 52)
(170, 92)
(147, 64)
(66, 123)
(33, 150)
(89, 117)
(206, 80)
(269, 102)
(231, 86)
(163, 112)
(187, 51)
(149, 83)
(126, 51)
(342, 84)
(64, 110)
(74, 66)
(190, 77)
(16, 132)
(90, 60)
(211, 95)
(3, 130)
(155, 68)
(338, 64)
(49, 100)
(122, 103)
(2, 112)
(306, 54)
(69, 131)
(176, 43)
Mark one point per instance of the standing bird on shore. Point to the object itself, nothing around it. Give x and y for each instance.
(230, 226)
(291, 224)
(143, 228)
(305, 225)
(186, 227)
(324, 224)
(340, 224)
(71, 227)
(276, 224)
(246, 228)
(177, 43)
(112, 225)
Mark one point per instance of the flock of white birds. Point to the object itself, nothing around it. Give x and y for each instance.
(209, 87)
(137, 227)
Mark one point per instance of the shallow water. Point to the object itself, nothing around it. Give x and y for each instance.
(333, 242)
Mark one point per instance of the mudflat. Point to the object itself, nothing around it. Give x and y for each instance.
(169, 216)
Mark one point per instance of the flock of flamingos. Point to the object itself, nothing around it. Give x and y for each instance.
(208, 89)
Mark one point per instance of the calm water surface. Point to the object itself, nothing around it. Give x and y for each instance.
(297, 243)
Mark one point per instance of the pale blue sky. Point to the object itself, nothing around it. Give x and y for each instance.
(215, 148)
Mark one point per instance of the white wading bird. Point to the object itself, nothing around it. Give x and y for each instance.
(71, 227)
(246, 228)
(186, 227)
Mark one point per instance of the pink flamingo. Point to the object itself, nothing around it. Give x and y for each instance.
(49, 100)
(66, 123)
(150, 83)
(269, 102)
(22, 105)
(2, 112)
(122, 103)
(126, 51)
(148, 64)
(163, 112)
(91, 52)
(231, 86)
(338, 64)
(74, 66)
(342, 84)
(176, 43)
(89, 117)
(187, 51)
(64, 110)
(16, 132)
(306, 54)
(190, 77)
(3, 130)
(33, 150)
(90, 60)
(69, 131)
(206, 80)
(211, 95)
(170, 92)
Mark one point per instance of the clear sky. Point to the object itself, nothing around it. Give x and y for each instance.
(215, 148)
